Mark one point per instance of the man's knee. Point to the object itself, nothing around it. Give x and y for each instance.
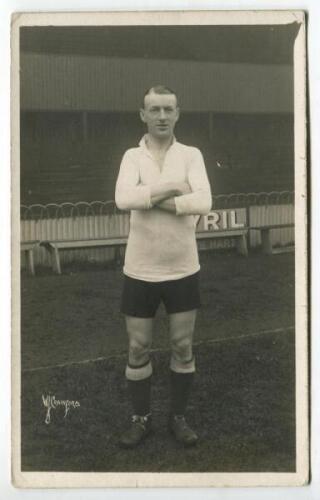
(182, 348)
(140, 335)
(138, 351)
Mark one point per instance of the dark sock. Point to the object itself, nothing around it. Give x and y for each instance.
(181, 384)
(139, 391)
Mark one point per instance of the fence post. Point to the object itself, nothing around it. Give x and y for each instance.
(248, 225)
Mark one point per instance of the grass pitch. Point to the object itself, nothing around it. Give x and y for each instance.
(243, 399)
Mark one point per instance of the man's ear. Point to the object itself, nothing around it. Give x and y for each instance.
(142, 115)
(178, 113)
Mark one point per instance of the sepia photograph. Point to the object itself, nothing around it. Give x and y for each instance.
(159, 205)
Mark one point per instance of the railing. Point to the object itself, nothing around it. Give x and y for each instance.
(102, 218)
(83, 208)
(55, 211)
(241, 200)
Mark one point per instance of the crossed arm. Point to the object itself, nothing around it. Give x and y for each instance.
(182, 198)
(163, 195)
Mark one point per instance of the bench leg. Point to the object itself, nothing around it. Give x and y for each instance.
(117, 256)
(266, 241)
(30, 261)
(242, 246)
(56, 261)
(55, 258)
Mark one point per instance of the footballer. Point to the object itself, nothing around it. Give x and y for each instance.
(164, 185)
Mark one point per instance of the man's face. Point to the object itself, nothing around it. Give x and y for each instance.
(160, 114)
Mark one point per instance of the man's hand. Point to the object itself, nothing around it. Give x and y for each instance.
(177, 189)
(168, 205)
(161, 192)
(182, 188)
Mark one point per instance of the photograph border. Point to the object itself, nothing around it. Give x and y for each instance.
(66, 479)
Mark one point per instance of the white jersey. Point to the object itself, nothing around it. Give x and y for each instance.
(162, 245)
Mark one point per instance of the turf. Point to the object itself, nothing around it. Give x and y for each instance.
(243, 400)
(76, 315)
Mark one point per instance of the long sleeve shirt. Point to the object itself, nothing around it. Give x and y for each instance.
(162, 245)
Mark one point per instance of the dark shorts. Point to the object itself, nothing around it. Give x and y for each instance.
(141, 299)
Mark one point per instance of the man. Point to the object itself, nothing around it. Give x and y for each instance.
(164, 184)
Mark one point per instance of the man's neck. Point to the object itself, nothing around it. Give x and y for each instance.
(155, 144)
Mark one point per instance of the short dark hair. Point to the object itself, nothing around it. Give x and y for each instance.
(159, 89)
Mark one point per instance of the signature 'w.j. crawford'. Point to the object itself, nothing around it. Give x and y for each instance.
(51, 403)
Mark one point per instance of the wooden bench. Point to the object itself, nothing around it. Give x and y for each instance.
(27, 247)
(116, 242)
(54, 246)
(266, 236)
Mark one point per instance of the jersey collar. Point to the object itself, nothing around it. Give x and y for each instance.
(145, 149)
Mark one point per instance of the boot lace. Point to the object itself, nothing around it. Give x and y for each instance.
(181, 420)
(140, 419)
